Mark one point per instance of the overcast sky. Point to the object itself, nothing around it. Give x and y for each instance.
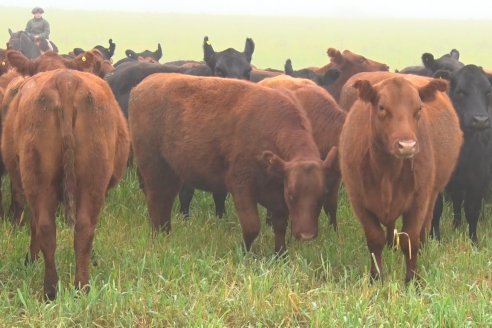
(469, 9)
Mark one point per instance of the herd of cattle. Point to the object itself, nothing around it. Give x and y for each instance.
(282, 139)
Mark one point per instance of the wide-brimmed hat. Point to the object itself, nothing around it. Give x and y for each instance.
(37, 10)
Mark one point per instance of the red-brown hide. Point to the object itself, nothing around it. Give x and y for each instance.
(326, 119)
(65, 138)
(228, 135)
(90, 61)
(348, 63)
(398, 148)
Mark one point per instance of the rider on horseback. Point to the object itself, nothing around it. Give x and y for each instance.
(38, 29)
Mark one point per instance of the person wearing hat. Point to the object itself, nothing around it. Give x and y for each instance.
(38, 28)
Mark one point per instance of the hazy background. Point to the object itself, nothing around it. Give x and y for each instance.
(471, 9)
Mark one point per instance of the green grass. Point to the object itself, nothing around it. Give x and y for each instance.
(198, 275)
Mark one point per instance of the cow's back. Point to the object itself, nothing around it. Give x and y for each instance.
(206, 124)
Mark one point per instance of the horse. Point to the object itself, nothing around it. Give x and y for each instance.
(23, 42)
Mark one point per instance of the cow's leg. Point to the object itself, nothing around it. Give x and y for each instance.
(17, 195)
(426, 229)
(247, 212)
(410, 241)
(390, 235)
(436, 217)
(279, 223)
(330, 204)
(44, 207)
(375, 239)
(34, 246)
(185, 197)
(473, 207)
(161, 187)
(89, 205)
(457, 197)
(219, 200)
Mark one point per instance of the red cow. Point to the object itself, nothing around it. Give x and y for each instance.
(90, 61)
(348, 63)
(326, 120)
(65, 138)
(398, 148)
(228, 135)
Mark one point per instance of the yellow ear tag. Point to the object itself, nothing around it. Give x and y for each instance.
(3, 63)
(84, 59)
(208, 42)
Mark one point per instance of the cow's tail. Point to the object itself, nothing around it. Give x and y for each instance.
(67, 84)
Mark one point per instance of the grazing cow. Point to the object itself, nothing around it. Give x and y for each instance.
(144, 56)
(64, 138)
(447, 63)
(107, 53)
(348, 63)
(89, 61)
(398, 148)
(326, 119)
(325, 79)
(470, 91)
(228, 135)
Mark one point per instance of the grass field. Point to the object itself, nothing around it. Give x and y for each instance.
(198, 275)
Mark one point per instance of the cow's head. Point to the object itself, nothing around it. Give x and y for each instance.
(229, 63)
(304, 184)
(329, 77)
(396, 106)
(146, 55)
(470, 91)
(91, 61)
(448, 62)
(349, 63)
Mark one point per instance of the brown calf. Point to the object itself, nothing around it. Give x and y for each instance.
(228, 135)
(64, 138)
(398, 148)
(326, 120)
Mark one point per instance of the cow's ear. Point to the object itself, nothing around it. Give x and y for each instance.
(428, 60)
(10, 32)
(112, 47)
(455, 54)
(335, 55)
(330, 76)
(22, 64)
(367, 92)
(208, 53)
(249, 48)
(77, 51)
(288, 67)
(428, 91)
(158, 52)
(273, 164)
(131, 54)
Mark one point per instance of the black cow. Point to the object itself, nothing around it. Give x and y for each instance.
(146, 56)
(106, 52)
(470, 91)
(325, 79)
(436, 67)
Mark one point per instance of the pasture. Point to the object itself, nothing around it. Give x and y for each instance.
(198, 275)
